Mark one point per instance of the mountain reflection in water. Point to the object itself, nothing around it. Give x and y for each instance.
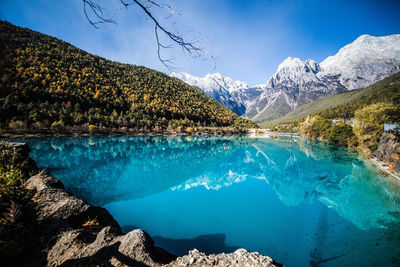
(306, 180)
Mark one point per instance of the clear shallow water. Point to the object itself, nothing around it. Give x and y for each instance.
(301, 202)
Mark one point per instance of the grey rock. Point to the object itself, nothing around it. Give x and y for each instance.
(75, 233)
(397, 167)
(240, 257)
(53, 205)
(297, 82)
(388, 150)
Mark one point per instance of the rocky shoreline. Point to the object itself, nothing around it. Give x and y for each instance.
(67, 231)
(387, 155)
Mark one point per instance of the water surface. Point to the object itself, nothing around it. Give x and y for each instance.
(304, 203)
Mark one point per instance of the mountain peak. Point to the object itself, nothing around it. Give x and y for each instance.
(369, 57)
(215, 75)
(297, 65)
(364, 61)
(211, 81)
(364, 37)
(223, 89)
(290, 62)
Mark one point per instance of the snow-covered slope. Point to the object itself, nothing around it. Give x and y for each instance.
(296, 82)
(223, 89)
(211, 81)
(365, 61)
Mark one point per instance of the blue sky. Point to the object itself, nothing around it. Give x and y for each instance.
(247, 38)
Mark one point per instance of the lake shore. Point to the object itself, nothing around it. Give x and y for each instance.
(121, 131)
(384, 168)
(204, 131)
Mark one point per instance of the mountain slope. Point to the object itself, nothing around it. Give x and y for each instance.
(359, 64)
(47, 82)
(365, 61)
(223, 89)
(344, 104)
(296, 82)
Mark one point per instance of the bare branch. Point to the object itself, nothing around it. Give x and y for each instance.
(189, 47)
(98, 13)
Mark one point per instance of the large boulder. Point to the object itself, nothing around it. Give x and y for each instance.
(75, 233)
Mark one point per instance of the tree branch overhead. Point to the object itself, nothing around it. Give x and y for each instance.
(191, 47)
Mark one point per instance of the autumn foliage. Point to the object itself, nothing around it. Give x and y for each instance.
(46, 82)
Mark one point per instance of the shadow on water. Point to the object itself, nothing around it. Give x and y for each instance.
(212, 243)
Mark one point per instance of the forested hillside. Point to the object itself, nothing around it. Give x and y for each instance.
(368, 110)
(48, 83)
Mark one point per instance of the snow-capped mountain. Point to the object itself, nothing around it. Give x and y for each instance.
(296, 82)
(223, 89)
(211, 81)
(365, 61)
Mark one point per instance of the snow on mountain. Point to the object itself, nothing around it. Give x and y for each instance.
(223, 89)
(296, 82)
(211, 82)
(365, 61)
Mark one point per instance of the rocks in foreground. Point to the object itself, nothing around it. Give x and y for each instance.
(240, 257)
(73, 233)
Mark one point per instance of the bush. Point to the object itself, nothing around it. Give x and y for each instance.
(57, 125)
(324, 129)
(11, 188)
(92, 128)
(369, 123)
(318, 127)
(16, 124)
(15, 203)
(340, 133)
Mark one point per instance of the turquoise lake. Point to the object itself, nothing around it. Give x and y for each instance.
(301, 202)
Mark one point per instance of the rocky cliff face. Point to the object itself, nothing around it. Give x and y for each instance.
(388, 152)
(295, 83)
(67, 231)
